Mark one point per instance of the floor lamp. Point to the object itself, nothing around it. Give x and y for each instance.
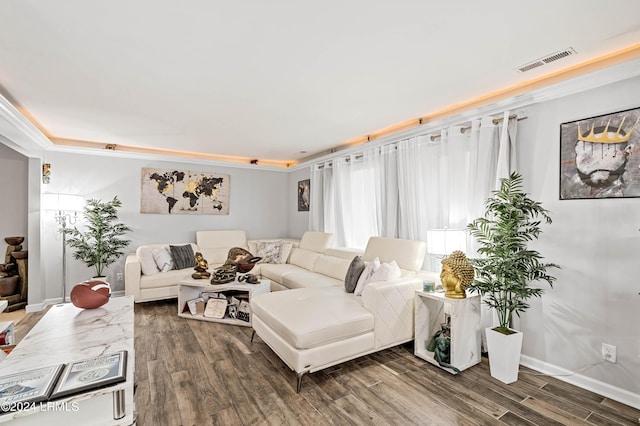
(66, 207)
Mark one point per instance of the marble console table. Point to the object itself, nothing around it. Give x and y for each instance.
(66, 334)
(431, 310)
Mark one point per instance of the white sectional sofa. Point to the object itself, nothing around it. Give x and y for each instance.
(148, 283)
(315, 323)
(319, 325)
(313, 263)
(145, 284)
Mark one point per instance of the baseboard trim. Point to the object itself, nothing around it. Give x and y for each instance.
(629, 398)
(37, 307)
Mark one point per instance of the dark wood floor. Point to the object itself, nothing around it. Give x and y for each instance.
(191, 372)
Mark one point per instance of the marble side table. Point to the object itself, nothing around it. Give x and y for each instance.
(433, 309)
(66, 334)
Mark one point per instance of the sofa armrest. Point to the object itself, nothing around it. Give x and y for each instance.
(132, 274)
(392, 306)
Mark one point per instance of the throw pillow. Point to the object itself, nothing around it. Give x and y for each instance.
(183, 256)
(366, 275)
(285, 251)
(163, 259)
(147, 263)
(387, 272)
(269, 251)
(353, 274)
(253, 246)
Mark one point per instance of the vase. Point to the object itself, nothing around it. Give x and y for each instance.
(504, 354)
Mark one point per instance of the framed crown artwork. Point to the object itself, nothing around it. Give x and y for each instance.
(600, 156)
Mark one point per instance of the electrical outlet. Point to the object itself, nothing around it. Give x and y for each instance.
(119, 276)
(609, 353)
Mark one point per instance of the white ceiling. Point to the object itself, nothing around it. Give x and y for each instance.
(269, 79)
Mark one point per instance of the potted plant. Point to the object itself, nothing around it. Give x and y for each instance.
(100, 244)
(507, 267)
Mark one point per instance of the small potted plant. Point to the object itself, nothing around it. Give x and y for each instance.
(100, 244)
(507, 268)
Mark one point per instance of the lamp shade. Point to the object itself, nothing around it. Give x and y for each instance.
(445, 241)
(62, 202)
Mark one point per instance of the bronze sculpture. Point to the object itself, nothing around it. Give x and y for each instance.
(201, 268)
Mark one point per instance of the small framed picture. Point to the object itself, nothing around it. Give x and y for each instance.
(599, 156)
(304, 192)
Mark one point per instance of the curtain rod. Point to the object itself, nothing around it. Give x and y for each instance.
(494, 121)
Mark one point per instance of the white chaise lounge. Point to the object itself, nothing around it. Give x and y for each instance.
(317, 327)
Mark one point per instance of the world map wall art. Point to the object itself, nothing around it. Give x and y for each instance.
(168, 191)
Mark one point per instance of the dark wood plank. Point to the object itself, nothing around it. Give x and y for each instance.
(191, 405)
(163, 404)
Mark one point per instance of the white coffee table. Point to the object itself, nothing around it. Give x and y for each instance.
(190, 289)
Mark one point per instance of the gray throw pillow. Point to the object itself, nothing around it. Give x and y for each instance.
(353, 273)
(183, 256)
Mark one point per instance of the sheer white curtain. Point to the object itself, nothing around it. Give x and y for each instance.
(404, 189)
(436, 181)
(359, 197)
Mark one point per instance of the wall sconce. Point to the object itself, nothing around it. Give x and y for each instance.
(46, 173)
(442, 242)
(66, 208)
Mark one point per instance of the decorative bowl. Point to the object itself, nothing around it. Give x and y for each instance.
(22, 254)
(14, 241)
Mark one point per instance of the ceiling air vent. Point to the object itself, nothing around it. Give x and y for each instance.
(546, 60)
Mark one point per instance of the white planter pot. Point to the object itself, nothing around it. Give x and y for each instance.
(504, 355)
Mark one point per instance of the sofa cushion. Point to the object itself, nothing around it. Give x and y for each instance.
(148, 264)
(215, 245)
(311, 317)
(276, 271)
(183, 256)
(334, 267)
(303, 258)
(409, 254)
(353, 274)
(163, 259)
(165, 279)
(316, 241)
(302, 278)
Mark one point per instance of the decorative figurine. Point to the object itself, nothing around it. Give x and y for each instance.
(440, 345)
(456, 275)
(201, 268)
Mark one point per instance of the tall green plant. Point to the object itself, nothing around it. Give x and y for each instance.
(100, 244)
(507, 266)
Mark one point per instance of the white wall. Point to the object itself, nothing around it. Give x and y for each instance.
(14, 195)
(258, 204)
(596, 242)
